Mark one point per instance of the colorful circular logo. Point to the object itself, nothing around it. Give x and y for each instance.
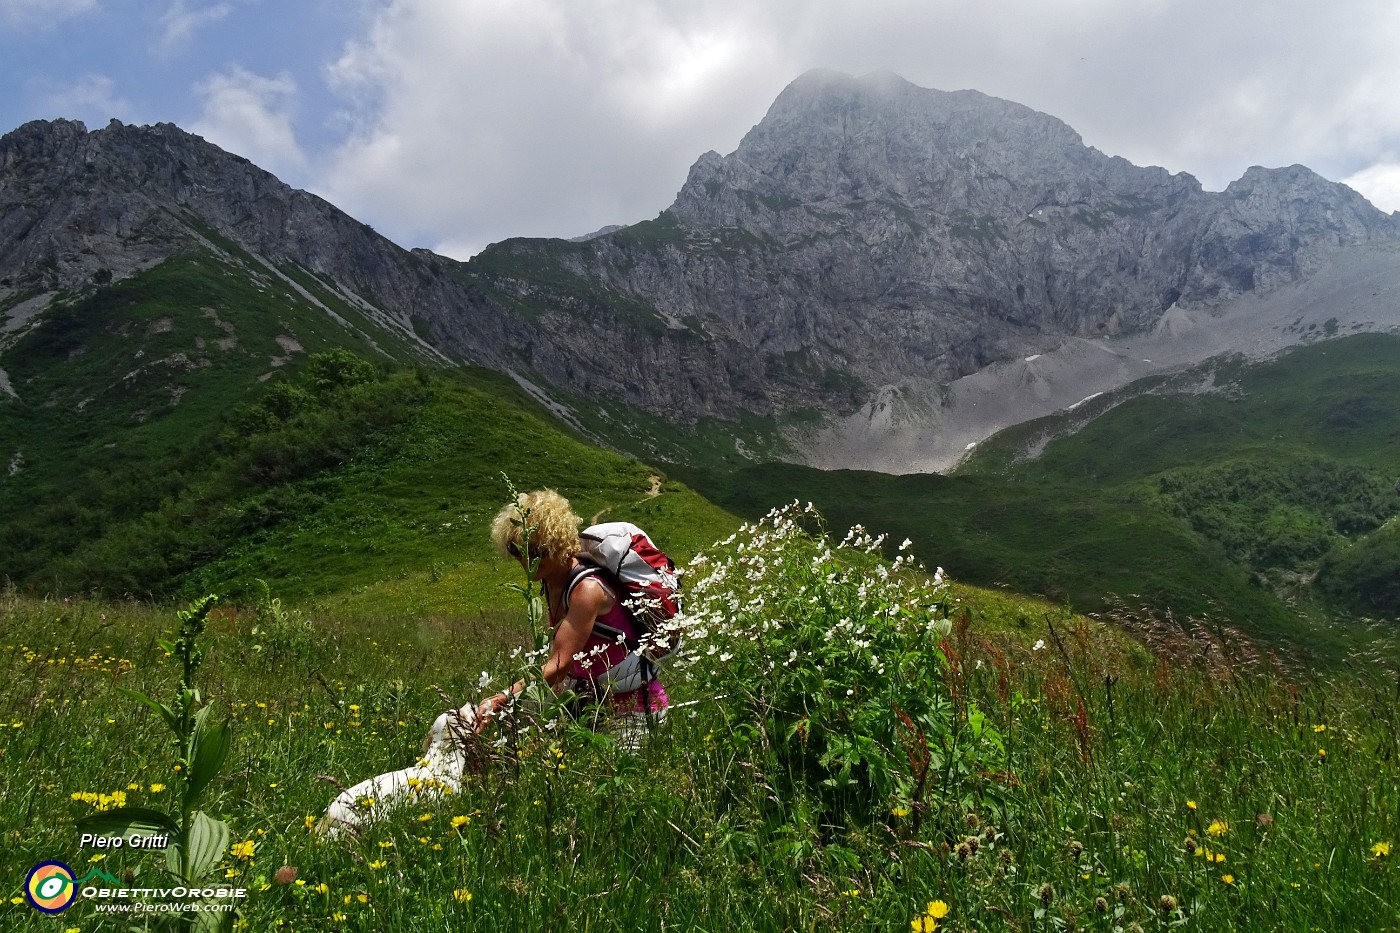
(50, 887)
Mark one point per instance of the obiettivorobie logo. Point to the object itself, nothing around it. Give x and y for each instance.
(52, 888)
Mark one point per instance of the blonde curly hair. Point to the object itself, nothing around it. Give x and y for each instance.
(551, 520)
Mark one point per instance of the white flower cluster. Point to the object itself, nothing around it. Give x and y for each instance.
(782, 573)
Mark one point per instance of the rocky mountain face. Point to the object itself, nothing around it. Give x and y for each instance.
(868, 231)
(80, 209)
(866, 234)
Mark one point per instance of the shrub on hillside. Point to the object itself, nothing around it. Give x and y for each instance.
(1282, 514)
(1366, 576)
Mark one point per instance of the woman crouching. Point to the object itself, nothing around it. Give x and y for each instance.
(593, 630)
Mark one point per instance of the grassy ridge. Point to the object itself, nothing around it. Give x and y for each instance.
(171, 436)
(117, 388)
(357, 477)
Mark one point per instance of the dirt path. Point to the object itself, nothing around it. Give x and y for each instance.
(651, 493)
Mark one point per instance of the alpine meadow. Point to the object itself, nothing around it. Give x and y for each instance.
(1037, 514)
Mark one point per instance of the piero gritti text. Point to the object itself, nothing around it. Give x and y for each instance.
(131, 841)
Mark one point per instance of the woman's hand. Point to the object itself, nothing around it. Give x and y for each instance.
(487, 708)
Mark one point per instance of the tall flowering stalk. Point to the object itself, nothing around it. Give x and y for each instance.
(197, 841)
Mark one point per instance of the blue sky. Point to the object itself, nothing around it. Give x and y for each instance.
(152, 62)
(451, 124)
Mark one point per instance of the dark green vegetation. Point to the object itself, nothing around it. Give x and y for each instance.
(154, 460)
(1223, 504)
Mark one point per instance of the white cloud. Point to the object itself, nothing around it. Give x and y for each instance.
(1379, 184)
(253, 116)
(483, 120)
(180, 22)
(41, 14)
(92, 98)
(469, 120)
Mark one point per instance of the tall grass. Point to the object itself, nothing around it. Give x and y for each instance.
(1180, 780)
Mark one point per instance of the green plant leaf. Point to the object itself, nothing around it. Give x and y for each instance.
(206, 845)
(207, 921)
(127, 820)
(165, 711)
(209, 747)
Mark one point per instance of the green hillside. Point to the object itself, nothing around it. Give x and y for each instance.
(1222, 505)
(202, 425)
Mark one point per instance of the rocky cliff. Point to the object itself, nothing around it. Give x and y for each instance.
(868, 231)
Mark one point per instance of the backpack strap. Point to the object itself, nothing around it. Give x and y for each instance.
(577, 576)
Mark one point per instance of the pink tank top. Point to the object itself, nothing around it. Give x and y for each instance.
(603, 649)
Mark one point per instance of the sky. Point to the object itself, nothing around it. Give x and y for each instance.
(452, 124)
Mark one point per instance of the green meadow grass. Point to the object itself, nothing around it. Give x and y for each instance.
(1182, 778)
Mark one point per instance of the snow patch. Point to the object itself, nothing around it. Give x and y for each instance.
(1087, 398)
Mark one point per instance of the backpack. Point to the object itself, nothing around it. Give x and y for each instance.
(647, 581)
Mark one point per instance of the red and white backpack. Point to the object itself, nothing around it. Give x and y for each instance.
(647, 580)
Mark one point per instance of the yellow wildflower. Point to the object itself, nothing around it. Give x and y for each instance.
(242, 849)
(1380, 850)
(460, 821)
(937, 910)
(1217, 828)
(1228, 879)
(378, 864)
(157, 788)
(461, 895)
